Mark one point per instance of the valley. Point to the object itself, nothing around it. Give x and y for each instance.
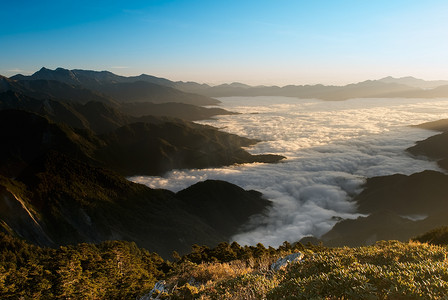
(81, 163)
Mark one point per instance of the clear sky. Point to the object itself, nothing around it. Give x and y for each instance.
(256, 42)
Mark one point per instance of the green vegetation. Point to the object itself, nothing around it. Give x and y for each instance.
(121, 270)
(110, 270)
(438, 236)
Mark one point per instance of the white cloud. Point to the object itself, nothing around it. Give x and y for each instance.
(331, 148)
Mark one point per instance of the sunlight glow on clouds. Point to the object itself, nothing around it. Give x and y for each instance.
(331, 148)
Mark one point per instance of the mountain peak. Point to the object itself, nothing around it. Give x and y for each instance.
(43, 69)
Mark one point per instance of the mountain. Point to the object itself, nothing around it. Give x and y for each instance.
(384, 88)
(152, 149)
(434, 147)
(100, 117)
(439, 125)
(403, 194)
(51, 89)
(155, 89)
(397, 207)
(143, 88)
(366, 89)
(57, 200)
(89, 78)
(58, 185)
(221, 212)
(415, 82)
(137, 148)
(26, 136)
(141, 91)
(171, 109)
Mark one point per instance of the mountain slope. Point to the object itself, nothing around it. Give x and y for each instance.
(100, 117)
(221, 212)
(143, 88)
(144, 148)
(51, 89)
(55, 190)
(415, 82)
(72, 202)
(434, 147)
(397, 207)
(141, 91)
(137, 148)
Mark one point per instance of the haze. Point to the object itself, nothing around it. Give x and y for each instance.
(255, 42)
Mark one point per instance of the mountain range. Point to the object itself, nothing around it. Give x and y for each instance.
(67, 145)
(144, 87)
(60, 185)
(399, 206)
(70, 136)
(388, 87)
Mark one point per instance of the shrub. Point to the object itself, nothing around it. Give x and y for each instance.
(438, 236)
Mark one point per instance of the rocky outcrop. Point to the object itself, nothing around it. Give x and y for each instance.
(283, 262)
(16, 218)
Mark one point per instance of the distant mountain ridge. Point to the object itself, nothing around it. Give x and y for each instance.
(89, 77)
(415, 82)
(365, 89)
(109, 84)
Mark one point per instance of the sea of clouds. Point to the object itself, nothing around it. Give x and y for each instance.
(331, 148)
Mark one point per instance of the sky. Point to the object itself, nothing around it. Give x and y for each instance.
(270, 42)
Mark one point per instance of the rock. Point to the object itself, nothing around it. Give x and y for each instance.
(281, 263)
(158, 288)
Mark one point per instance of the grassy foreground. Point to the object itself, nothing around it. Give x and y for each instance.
(120, 270)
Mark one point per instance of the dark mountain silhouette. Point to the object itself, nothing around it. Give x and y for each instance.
(55, 188)
(58, 200)
(439, 125)
(221, 213)
(26, 136)
(51, 89)
(58, 180)
(143, 88)
(90, 78)
(176, 110)
(100, 117)
(437, 236)
(399, 207)
(141, 91)
(420, 193)
(137, 148)
(381, 225)
(95, 116)
(434, 147)
(151, 149)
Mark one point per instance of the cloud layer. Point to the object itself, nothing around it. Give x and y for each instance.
(332, 147)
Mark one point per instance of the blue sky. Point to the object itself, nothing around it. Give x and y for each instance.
(257, 42)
